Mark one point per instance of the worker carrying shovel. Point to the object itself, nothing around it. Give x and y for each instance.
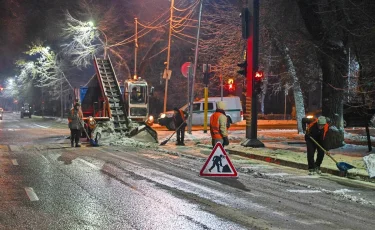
(74, 119)
(317, 130)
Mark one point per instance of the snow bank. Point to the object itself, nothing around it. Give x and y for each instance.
(370, 164)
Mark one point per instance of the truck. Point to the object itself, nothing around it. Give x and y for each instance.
(107, 107)
(26, 110)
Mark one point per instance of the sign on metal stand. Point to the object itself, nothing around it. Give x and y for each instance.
(218, 164)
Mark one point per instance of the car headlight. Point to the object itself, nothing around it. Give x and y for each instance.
(162, 115)
(310, 116)
(151, 118)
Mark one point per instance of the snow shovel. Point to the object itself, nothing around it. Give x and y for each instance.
(92, 142)
(166, 141)
(342, 166)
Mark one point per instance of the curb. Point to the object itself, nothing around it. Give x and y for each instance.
(295, 164)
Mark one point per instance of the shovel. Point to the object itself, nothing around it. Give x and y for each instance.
(342, 166)
(166, 141)
(92, 142)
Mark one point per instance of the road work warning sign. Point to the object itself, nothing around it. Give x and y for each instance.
(218, 164)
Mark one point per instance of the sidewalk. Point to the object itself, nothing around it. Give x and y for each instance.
(294, 155)
(287, 148)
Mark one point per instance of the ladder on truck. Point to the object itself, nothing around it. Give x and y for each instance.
(112, 94)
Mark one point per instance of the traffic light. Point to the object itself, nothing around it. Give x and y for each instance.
(245, 16)
(206, 73)
(207, 68)
(206, 78)
(231, 86)
(258, 76)
(243, 66)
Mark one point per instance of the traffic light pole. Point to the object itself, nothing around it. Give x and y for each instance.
(205, 109)
(252, 66)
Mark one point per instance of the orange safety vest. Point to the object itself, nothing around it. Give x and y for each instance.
(325, 128)
(215, 126)
(182, 115)
(80, 114)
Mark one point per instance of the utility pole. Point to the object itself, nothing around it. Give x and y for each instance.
(196, 59)
(135, 47)
(168, 56)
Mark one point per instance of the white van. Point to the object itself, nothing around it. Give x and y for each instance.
(233, 111)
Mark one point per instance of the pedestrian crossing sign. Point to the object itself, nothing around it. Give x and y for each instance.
(218, 164)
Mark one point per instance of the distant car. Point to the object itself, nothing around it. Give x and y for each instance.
(26, 110)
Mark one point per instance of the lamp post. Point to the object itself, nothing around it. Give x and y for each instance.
(168, 57)
(195, 64)
(135, 47)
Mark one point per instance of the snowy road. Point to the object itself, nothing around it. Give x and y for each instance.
(48, 185)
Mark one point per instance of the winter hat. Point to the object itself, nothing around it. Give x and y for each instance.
(322, 120)
(220, 105)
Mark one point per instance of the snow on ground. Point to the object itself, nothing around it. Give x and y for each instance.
(236, 136)
(275, 138)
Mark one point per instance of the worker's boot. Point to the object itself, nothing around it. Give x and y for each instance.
(311, 172)
(72, 144)
(318, 171)
(78, 145)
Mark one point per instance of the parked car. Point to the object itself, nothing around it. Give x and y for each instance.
(233, 111)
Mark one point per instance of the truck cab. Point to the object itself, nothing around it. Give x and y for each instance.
(136, 98)
(26, 110)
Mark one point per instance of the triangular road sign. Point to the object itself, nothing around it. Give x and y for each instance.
(218, 164)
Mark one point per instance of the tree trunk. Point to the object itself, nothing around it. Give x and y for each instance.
(297, 92)
(265, 80)
(330, 38)
(332, 92)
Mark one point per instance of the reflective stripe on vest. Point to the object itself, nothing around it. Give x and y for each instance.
(182, 115)
(215, 126)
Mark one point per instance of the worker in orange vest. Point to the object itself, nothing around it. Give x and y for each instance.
(317, 130)
(218, 125)
(179, 118)
(75, 124)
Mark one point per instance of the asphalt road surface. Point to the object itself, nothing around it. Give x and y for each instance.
(45, 184)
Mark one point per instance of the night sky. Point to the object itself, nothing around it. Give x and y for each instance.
(23, 22)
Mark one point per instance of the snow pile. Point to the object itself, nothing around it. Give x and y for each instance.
(357, 137)
(108, 136)
(370, 164)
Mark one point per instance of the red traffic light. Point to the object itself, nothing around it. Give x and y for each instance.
(230, 85)
(259, 75)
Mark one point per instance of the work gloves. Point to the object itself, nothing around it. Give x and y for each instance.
(225, 141)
